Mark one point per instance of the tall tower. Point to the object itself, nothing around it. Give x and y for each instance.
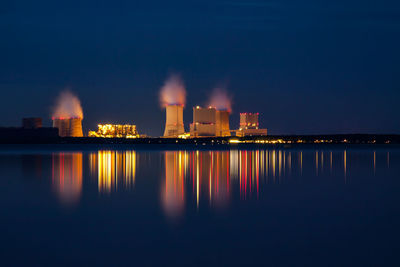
(222, 123)
(174, 121)
(75, 127)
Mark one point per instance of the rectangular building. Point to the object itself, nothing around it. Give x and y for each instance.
(249, 125)
(209, 122)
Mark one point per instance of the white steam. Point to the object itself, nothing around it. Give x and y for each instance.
(67, 106)
(221, 100)
(173, 92)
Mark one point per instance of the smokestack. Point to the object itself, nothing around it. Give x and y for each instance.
(172, 97)
(174, 121)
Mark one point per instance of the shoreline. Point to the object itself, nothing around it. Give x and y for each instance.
(209, 142)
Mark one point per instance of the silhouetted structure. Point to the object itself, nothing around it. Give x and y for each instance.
(14, 135)
(31, 123)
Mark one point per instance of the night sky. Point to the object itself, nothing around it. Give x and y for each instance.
(307, 66)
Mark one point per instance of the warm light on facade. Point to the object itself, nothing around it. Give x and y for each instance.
(115, 131)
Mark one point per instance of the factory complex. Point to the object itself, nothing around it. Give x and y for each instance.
(210, 125)
(207, 122)
(115, 131)
(210, 121)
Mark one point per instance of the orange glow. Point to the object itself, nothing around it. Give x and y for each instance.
(113, 169)
(173, 188)
(67, 106)
(67, 176)
(115, 130)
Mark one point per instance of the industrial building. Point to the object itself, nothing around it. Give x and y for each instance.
(249, 125)
(222, 125)
(32, 123)
(115, 130)
(209, 122)
(174, 121)
(68, 127)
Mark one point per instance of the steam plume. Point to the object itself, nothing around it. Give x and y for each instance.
(67, 106)
(221, 100)
(173, 92)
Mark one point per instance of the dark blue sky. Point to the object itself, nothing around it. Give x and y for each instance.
(307, 66)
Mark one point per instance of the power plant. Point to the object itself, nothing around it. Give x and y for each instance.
(68, 127)
(212, 121)
(67, 115)
(115, 130)
(209, 122)
(174, 121)
(222, 125)
(249, 125)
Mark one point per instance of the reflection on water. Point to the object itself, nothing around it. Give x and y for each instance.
(172, 188)
(67, 176)
(211, 205)
(211, 177)
(113, 169)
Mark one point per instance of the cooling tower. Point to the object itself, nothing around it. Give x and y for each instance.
(62, 125)
(222, 123)
(68, 127)
(75, 129)
(174, 122)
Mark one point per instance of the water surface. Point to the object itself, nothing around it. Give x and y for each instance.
(276, 206)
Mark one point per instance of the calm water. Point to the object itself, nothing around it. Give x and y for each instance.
(332, 206)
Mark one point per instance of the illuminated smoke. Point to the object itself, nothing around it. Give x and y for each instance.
(221, 100)
(173, 92)
(67, 106)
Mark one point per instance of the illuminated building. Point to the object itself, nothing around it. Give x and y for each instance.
(222, 126)
(249, 125)
(209, 122)
(115, 130)
(68, 127)
(174, 121)
(204, 120)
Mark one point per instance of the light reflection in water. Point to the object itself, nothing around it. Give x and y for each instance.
(172, 191)
(211, 177)
(67, 176)
(113, 169)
